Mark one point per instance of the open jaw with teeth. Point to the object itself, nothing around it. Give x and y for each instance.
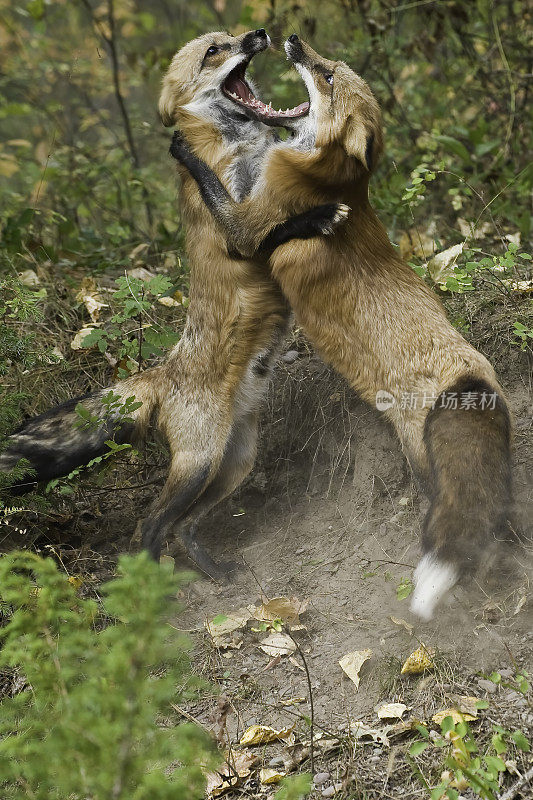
(236, 88)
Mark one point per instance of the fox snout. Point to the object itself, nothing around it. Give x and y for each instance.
(294, 49)
(255, 42)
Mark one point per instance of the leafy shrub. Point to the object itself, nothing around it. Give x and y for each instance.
(86, 723)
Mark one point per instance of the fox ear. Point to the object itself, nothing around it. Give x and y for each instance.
(167, 106)
(360, 141)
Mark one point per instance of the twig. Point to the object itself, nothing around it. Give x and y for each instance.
(515, 788)
(312, 715)
(110, 41)
(191, 718)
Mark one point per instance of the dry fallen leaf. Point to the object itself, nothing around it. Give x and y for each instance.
(77, 342)
(218, 784)
(391, 711)
(514, 238)
(141, 273)
(268, 776)
(521, 603)
(402, 727)
(361, 731)
(221, 626)
(471, 232)
(263, 734)
(441, 266)
(296, 664)
(293, 701)
(351, 663)
(172, 302)
(278, 644)
(521, 287)
(238, 764)
(468, 704)
(136, 252)
(91, 298)
(29, 278)
(402, 623)
(419, 661)
(76, 581)
(288, 609)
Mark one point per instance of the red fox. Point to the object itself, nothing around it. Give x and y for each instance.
(206, 397)
(371, 316)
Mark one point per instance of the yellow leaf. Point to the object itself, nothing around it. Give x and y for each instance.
(221, 626)
(351, 663)
(456, 715)
(268, 776)
(416, 243)
(419, 661)
(262, 734)
(76, 581)
(287, 609)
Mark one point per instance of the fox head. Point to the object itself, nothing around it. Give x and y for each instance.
(342, 109)
(207, 77)
(201, 73)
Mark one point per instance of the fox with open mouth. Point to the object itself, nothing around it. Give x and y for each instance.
(367, 312)
(206, 398)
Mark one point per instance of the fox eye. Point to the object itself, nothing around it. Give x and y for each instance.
(212, 50)
(329, 78)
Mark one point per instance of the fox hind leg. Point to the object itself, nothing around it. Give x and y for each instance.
(237, 462)
(469, 459)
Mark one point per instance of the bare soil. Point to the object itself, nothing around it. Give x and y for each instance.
(332, 513)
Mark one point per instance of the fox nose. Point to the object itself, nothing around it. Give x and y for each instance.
(261, 32)
(293, 38)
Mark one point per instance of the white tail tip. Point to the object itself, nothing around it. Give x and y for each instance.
(433, 578)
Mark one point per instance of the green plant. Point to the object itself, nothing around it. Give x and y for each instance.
(404, 588)
(467, 764)
(133, 300)
(519, 682)
(294, 788)
(86, 724)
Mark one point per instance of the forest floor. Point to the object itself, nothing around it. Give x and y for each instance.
(331, 515)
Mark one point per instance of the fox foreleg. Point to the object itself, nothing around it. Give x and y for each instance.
(240, 235)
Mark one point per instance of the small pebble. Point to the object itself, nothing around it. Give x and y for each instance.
(329, 792)
(290, 356)
(506, 673)
(276, 762)
(320, 778)
(488, 686)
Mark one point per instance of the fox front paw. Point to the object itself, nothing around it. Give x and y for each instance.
(332, 216)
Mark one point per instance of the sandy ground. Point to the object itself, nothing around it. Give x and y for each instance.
(331, 514)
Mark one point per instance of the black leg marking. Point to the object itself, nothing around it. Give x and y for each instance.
(154, 528)
(213, 192)
(318, 221)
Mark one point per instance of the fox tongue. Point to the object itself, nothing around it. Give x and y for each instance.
(238, 87)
